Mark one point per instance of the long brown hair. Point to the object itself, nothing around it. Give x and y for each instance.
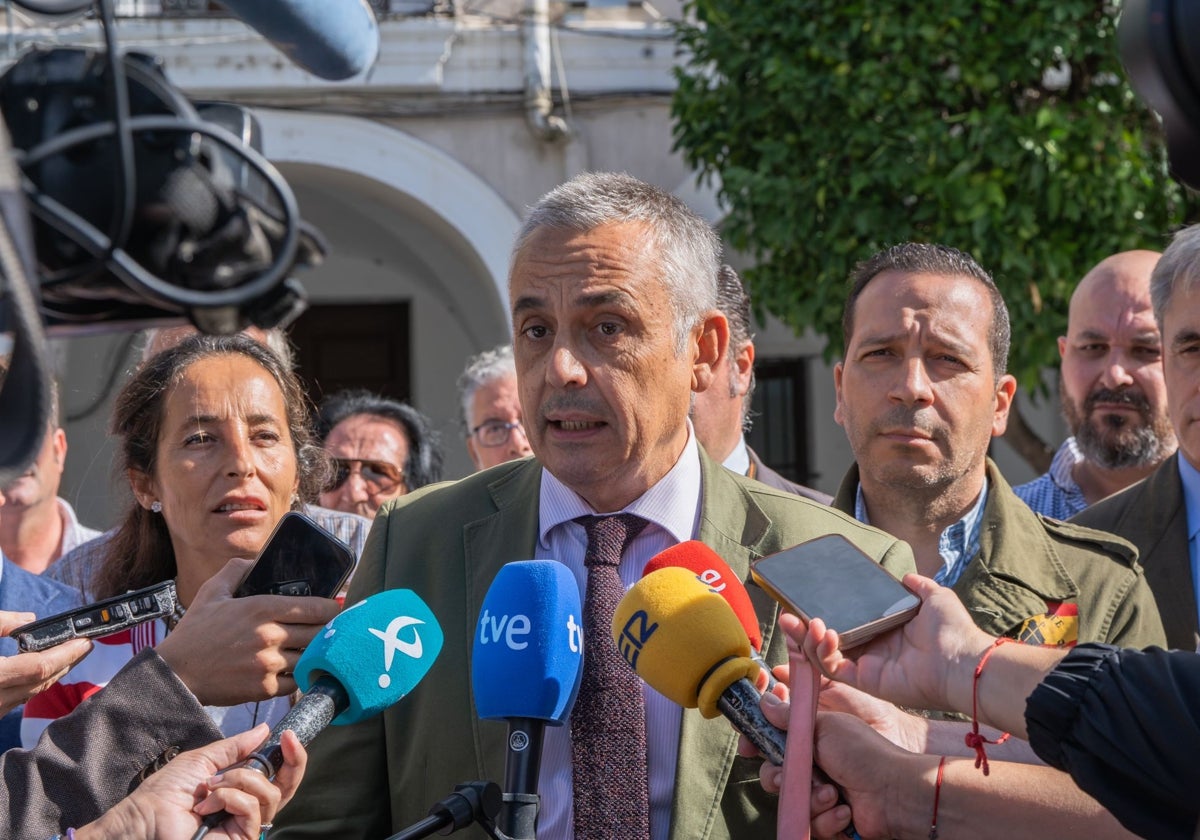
(140, 553)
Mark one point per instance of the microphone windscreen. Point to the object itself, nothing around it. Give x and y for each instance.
(378, 649)
(707, 565)
(527, 657)
(333, 39)
(682, 638)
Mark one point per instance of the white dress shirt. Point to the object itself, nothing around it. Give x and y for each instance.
(672, 507)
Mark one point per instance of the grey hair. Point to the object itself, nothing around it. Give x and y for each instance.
(486, 367)
(687, 248)
(734, 302)
(1178, 269)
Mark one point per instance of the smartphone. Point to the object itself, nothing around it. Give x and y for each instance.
(300, 558)
(102, 618)
(834, 580)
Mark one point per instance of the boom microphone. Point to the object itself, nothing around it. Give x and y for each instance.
(526, 667)
(370, 656)
(333, 39)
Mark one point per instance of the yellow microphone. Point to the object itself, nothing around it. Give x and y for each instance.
(683, 638)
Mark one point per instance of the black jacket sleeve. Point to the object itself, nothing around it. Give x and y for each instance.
(1126, 725)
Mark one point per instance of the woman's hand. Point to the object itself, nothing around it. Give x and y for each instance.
(237, 650)
(171, 804)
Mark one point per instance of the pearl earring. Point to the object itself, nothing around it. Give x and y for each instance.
(156, 506)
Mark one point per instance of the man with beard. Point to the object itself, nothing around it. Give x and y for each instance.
(921, 392)
(1161, 515)
(1111, 389)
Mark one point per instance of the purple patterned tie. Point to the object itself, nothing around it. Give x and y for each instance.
(608, 723)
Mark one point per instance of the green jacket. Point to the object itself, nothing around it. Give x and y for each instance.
(446, 543)
(1028, 563)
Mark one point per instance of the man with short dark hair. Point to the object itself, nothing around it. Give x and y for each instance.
(921, 392)
(612, 293)
(381, 449)
(721, 414)
(1111, 389)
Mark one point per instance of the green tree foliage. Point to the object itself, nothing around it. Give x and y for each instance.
(1005, 128)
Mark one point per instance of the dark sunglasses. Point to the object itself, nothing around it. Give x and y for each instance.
(379, 476)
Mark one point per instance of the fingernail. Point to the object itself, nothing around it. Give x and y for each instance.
(826, 794)
(770, 699)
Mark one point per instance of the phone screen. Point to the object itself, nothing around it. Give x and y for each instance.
(832, 579)
(300, 558)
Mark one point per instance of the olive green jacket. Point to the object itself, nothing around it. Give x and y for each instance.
(1152, 515)
(446, 543)
(1028, 563)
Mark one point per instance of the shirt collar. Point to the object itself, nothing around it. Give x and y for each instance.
(739, 458)
(1062, 468)
(1190, 478)
(673, 503)
(957, 544)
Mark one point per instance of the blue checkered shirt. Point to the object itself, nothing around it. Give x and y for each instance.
(1055, 493)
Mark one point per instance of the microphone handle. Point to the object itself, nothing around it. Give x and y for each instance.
(315, 710)
(518, 815)
(740, 704)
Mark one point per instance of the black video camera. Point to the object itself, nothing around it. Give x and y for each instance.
(1160, 48)
(124, 204)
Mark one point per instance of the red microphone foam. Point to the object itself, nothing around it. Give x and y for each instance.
(707, 565)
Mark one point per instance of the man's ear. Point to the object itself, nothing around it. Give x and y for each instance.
(1006, 390)
(143, 488)
(838, 370)
(60, 448)
(712, 345)
(743, 367)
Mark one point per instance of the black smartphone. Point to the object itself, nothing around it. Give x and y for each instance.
(102, 618)
(834, 580)
(300, 558)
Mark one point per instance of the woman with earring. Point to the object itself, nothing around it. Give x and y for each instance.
(216, 446)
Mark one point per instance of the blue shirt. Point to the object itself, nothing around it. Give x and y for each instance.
(1190, 478)
(957, 545)
(1055, 493)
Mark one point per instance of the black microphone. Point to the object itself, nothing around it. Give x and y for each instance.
(350, 672)
(526, 666)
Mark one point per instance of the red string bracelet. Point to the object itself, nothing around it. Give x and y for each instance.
(973, 739)
(937, 794)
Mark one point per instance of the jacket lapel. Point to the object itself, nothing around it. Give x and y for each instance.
(734, 526)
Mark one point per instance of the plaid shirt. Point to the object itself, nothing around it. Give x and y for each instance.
(76, 568)
(1055, 493)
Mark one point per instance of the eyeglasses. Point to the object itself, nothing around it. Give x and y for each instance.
(496, 433)
(379, 476)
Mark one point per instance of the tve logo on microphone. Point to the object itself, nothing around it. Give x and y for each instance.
(527, 657)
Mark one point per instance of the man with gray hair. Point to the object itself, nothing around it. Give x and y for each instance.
(612, 293)
(721, 414)
(491, 409)
(1161, 515)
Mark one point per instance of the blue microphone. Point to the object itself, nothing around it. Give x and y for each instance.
(370, 656)
(526, 666)
(333, 39)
